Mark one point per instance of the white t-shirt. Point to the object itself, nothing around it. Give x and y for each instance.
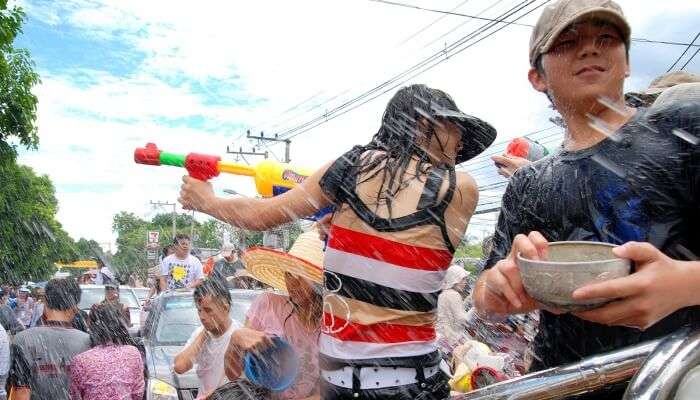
(209, 363)
(180, 273)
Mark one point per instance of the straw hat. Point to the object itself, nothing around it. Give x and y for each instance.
(305, 259)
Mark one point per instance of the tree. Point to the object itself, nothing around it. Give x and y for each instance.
(17, 78)
(86, 249)
(31, 239)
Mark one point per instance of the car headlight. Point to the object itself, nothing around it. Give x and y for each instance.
(159, 390)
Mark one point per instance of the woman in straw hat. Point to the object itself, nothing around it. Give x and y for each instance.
(401, 212)
(296, 317)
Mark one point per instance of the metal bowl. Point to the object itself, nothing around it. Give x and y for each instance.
(569, 266)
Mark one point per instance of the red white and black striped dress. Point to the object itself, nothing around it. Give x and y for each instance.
(382, 279)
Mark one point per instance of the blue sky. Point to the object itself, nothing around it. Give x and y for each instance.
(194, 77)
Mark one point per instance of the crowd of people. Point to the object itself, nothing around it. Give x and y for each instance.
(373, 303)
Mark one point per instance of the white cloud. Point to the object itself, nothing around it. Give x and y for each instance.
(281, 52)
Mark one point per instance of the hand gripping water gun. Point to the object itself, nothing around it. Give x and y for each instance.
(271, 178)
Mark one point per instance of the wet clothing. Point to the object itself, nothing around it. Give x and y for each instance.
(23, 311)
(224, 269)
(641, 184)
(210, 359)
(37, 314)
(9, 321)
(273, 314)
(107, 373)
(383, 275)
(41, 359)
(181, 273)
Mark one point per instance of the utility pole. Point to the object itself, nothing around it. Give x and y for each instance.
(276, 139)
(166, 203)
(242, 153)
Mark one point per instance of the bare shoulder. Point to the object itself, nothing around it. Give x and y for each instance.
(468, 190)
(465, 182)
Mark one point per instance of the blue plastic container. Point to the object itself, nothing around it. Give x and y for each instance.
(275, 368)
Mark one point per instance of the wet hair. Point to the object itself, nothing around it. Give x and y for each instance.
(62, 294)
(107, 326)
(400, 138)
(179, 237)
(213, 288)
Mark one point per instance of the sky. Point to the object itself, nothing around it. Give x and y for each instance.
(195, 76)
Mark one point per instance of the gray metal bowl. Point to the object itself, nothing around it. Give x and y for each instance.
(569, 266)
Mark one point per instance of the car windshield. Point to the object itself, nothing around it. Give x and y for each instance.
(95, 295)
(178, 319)
(141, 293)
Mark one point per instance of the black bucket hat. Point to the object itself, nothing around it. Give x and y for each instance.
(477, 134)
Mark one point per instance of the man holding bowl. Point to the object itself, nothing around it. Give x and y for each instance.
(622, 177)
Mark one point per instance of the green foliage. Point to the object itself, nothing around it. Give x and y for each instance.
(469, 250)
(86, 249)
(132, 232)
(31, 239)
(17, 78)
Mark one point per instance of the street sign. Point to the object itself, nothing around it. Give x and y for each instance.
(152, 239)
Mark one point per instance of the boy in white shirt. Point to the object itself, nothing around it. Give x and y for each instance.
(180, 269)
(207, 345)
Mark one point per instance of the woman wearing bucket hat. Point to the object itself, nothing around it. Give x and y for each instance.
(295, 317)
(401, 212)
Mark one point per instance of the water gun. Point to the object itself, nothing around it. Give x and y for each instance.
(271, 178)
(524, 147)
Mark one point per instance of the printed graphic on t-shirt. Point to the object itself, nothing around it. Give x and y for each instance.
(178, 275)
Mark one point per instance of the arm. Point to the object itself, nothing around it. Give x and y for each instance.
(163, 284)
(252, 213)
(499, 289)
(20, 374)
(658, 287)
(139, 385)
(184, 360)
(242, 341)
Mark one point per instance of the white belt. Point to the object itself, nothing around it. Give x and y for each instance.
(376, 377)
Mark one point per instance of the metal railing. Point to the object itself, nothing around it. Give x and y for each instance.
(655, 369)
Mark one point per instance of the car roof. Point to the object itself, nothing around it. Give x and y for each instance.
(93, 286)
(237, 293)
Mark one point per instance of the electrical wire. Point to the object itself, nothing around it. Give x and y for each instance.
(682, 54)
(394, 3)
(411, 73)
(690, 59)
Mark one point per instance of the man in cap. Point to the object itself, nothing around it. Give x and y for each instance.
(620, 178)
(227, 266)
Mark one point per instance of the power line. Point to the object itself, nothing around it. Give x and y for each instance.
(394, 3)
(690, 59)
(410, 73)
(430, 24)
(682, 54)
(405, 5)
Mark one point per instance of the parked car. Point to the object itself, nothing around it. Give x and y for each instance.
(94, 294)
(170, 322)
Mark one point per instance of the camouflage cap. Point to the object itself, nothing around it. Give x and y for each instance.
(556, 17)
